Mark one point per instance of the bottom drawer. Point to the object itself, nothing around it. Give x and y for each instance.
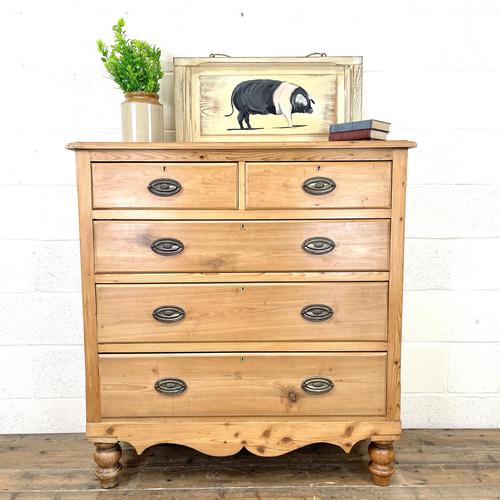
(249, 384)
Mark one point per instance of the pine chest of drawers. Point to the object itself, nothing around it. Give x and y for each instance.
(242, 295)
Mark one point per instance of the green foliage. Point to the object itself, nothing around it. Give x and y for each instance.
(133, 64)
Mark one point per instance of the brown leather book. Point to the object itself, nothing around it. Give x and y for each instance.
(356, 135)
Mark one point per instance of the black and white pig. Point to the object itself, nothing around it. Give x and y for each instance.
(263, 97)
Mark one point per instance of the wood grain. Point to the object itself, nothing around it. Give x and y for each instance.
(204, 185)
(186, 214)
(357, 184)
(245, 146)
(234, 247)
(241, 312)
(107, 457)
(381, 464)
(266, 277)
(396, 285)
(243, 346)
(241, 187)
(181, 62)
(263, 438)
(84, 185)
(217, 155)
(246, 384)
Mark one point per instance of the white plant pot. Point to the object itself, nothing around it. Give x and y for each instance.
(142, 117)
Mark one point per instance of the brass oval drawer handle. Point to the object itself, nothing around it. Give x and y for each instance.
(319, 185)
(317, 385)
(164, 187)
(167, 246)
(170, 386)
(169, 314)
(318, 245)
(317, 312)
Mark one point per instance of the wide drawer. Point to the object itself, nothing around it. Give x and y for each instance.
(242, 385)
(242, 312)
(165, 185)
(318, 185)
(143, 246)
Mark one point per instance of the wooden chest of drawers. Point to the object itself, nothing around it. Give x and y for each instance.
(242, 295)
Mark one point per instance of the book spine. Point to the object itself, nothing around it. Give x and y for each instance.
(346, 127)
(353, 135)
(360, 125)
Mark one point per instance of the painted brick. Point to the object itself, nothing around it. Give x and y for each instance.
(391, 94)
(451, 156)
(44, 159)
(98, 89)
(427, 264)
(105, 135)
(59, 372)
(456, 6)
(43, 213)
(457, 264)
(432, 53)
(437, 411)
(15, 373)
(41, 318)
(453, 316)
(474, 368)
(42, 415)
(167, 99)
(424, 367)
(53, 101)
(17, 267)
(455, 211)
(475, 264)
(481, 41)
(57, 266)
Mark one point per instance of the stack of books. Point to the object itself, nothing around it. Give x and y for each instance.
(357, 131)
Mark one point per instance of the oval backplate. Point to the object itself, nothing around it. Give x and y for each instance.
(167, 246)
(319, 185)
(317, 312)
(317, 385)
(318, 245)
(169, 314)
(164, 187)
(170, 386)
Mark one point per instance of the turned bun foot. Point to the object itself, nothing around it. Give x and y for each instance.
(107, 457)
(381, 466)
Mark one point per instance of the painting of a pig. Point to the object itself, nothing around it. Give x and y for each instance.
(263, 97)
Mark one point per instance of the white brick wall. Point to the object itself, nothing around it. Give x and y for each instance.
(431, 68)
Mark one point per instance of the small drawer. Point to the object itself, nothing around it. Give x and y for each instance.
(234, 246)
(242, 312)
(318, 185)
(165, 185)
(248, 384)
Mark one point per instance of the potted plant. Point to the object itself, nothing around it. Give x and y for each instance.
(135, 66)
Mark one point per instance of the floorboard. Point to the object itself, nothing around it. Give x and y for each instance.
(455, 464)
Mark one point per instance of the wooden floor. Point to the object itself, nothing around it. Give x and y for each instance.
(431, 464)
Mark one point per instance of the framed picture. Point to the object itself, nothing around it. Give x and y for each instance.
(264, 99)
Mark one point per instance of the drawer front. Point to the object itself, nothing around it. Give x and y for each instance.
(165, 185)
(142, 246)
(318, 185)
(242, 385)
(242, 312)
